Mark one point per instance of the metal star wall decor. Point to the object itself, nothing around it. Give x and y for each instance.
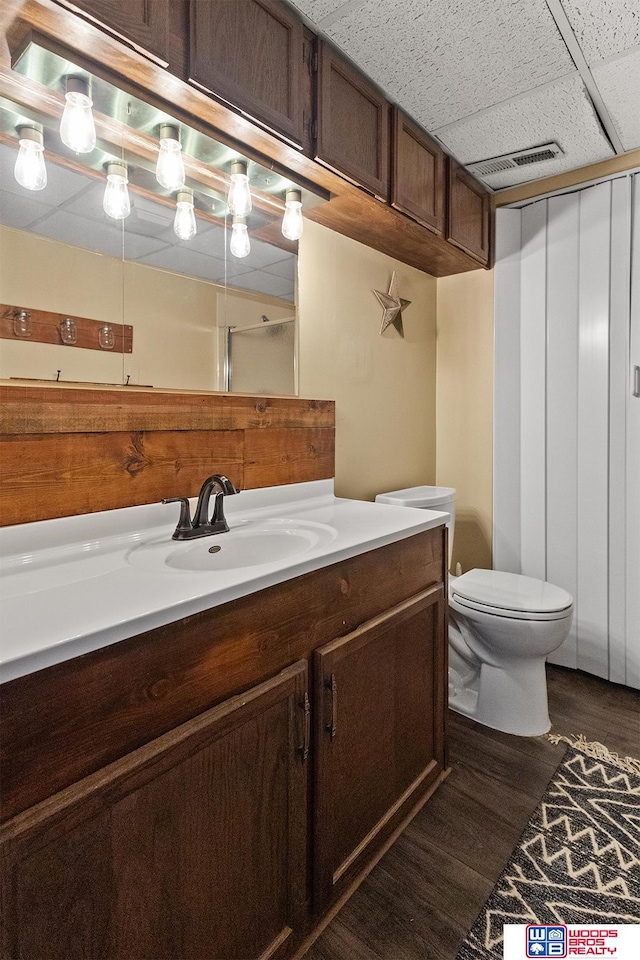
(392, 306)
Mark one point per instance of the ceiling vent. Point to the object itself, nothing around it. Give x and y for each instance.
(520, 158)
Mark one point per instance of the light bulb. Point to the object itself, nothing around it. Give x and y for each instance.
(184, 224)
(239, 199)
(30, 170)
(77, 128)
(240, 245)
(292, 222)
(170, 168)
(116, 201)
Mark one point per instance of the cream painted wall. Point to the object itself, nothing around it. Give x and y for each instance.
(384, 386)
(173, 317)
(464, 447)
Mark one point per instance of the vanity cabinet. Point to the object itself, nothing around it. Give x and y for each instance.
(469, 214)
(379, 733)
(251, 54)
(190, 792)
(145, 24)
(418, 174)
(352, 119)
(194, 846)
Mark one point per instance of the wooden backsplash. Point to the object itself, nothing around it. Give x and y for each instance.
(72, 450)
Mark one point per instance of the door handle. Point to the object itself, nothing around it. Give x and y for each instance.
(332, 685)
(306, 706)
(636, 381)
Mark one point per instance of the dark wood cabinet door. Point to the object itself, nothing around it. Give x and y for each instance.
(418, 182)
(352, 124)
(380, 734)
(192, 846)
(469, 214)
(144, 22)
(250, 53)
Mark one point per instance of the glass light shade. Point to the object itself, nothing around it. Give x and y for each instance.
(239, 198)
(292, 222)
(77, 127)
(170, 167)
(240, 245)
(184, 224)
(30, 170)
(116, 203)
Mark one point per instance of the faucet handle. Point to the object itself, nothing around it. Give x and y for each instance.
(184, 523)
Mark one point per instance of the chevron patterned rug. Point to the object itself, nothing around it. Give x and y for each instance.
(578, 860)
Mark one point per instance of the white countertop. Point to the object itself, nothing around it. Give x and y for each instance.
(77, 584)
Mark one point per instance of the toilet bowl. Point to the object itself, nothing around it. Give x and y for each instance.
(502, 626)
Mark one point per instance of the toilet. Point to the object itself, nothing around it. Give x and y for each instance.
(502, 626)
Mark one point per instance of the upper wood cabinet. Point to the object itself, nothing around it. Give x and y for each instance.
(469, 214)
(418, 181)
(352, 124)
(195, 845)
(250, 53)
(144, 22)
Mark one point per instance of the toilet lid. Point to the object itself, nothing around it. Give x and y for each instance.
(511, 591)
(420, 497)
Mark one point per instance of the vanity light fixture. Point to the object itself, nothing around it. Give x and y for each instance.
(292, 222)
(184, 224)
(170, 167)
(77, 127)
(240, 245)
(30, 170)
(116, 203)
(239, 198)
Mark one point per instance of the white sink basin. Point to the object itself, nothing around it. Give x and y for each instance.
(248, 544)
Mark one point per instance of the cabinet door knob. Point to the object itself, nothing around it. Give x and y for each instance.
(331, 684)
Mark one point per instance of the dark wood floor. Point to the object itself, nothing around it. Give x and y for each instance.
(421, 899)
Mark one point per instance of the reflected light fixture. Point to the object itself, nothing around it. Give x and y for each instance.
(184, 224)
(116, 203)
(240, 245)
(292, 222)
(77, 127)
(30, 170)
(239, 199)
(170, 167)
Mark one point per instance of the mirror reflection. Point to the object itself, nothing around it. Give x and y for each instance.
(168, 256)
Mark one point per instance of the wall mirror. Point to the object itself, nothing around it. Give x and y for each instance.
(124, 270)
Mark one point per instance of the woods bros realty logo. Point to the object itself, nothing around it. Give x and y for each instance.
(558, 940)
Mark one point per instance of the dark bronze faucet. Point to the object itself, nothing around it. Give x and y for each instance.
(202, 524)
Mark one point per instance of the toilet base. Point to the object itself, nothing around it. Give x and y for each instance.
(512, 700)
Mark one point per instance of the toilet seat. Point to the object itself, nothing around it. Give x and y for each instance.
(512, 595)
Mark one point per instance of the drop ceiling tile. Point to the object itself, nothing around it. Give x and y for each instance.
(316, 10)
(180, 259)
(68, 228)
(447, 59)
(619, 84)
(260, 282)
(21, 211)
(604, 28)
(561, 111)
(262, 254)
(284, 268)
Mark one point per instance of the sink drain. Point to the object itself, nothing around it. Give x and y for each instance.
(215, 549)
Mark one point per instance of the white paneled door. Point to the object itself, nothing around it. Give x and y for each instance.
(571, 511)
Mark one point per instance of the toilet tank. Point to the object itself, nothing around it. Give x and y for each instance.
(426, 498)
